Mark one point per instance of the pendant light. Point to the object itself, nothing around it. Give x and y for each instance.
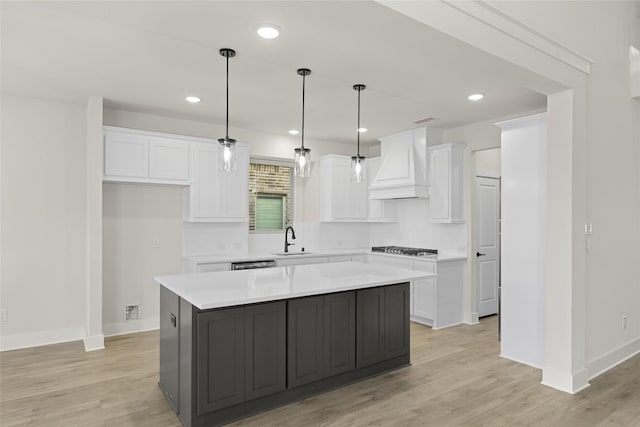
(227, 146)
(358, 173)
(302, 156)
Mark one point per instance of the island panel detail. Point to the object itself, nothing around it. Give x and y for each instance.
(246, 359)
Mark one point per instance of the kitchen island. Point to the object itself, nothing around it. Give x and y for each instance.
(236, 343)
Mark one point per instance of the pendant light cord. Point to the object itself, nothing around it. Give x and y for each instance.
(358, 129)
(304, 77)
(227, 122)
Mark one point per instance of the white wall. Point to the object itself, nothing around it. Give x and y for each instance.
(523, 228)
(43, 222)
(613, 166)
(487, 162)
(136, 219)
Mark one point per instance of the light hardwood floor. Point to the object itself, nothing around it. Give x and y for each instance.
(456, 379)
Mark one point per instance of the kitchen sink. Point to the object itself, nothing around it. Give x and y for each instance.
(291, 253)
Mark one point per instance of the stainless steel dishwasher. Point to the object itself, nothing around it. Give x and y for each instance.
(250, 265)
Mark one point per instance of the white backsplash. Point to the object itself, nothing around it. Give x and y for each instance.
(414, 229)
(208, 238)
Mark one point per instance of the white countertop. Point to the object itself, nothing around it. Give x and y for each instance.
(240, 257)
(229, 288)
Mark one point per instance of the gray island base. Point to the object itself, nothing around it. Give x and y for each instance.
(222, 364)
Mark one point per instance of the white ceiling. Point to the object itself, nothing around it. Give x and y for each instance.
(147, 56)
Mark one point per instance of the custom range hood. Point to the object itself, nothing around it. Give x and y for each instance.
(403, 166)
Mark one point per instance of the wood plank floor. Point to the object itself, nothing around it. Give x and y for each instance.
(456, 379)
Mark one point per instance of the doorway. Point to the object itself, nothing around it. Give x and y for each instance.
(488, 244)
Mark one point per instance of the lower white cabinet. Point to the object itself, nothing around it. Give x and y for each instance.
(135, 156)
(213, 266)
(303, 260)
(435, 301)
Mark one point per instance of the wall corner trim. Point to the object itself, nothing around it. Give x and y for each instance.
(94, 342)
(568, 382)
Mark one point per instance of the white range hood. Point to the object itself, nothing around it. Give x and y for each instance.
(403, 166)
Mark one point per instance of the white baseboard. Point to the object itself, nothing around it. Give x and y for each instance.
(603, 363)
(131, 326)
(94, 342)
(37, 339)
(474, 320)
(568, 382)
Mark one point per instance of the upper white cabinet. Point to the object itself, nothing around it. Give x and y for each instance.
(446, 178)
(379, 210)
(340, 199)
(131, 156)
(216, 196)
(168, 159)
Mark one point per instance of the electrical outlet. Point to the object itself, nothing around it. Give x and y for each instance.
(155, 242)
(132, 312)
(624, 322)
(3, 315)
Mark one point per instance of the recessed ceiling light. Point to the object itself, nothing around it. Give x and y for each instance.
(362, 130)
(192, 99)
(268, 31)
(294, 132)
(475, 97)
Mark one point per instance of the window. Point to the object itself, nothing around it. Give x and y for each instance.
(270, 194)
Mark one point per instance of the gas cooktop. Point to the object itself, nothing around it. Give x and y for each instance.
(402, 250)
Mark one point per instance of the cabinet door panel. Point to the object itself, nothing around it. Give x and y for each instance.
(339, 333)
(265, 346)
(369, 326)
(126, 155)
(424, 298)
(305, 352)
(168, 159)
(169, 344)
(205, 186)
(234, 188)
(396, 320)
(220, 359)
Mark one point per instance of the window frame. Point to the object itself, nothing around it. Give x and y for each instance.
(276, 161)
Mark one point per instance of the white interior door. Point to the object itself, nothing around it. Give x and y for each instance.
(488, 252)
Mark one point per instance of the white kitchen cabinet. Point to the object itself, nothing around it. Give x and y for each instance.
(126, 155)
(136, 156)
(435, 301)
(168, 159)
(213, 266)
(359, 258)
(446, 178)
(303, 260)
(379, 210)
(216, 196)
(340, 199)
(340, 258)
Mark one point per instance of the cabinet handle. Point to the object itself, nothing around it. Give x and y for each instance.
(479, 254)
(174, 321)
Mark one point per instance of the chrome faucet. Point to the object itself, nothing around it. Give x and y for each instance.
(286, 235)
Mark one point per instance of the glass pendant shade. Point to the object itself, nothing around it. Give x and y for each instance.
(227, 155)
(302, 162)
(358, 170)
